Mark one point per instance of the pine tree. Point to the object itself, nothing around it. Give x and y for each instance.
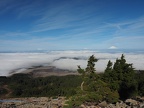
(92, 86)
(93, 89)
(108, 72)
(89, 73)
(122, 78)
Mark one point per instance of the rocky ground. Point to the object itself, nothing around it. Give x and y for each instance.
(44, 102)
(129, 103)
(32, 102)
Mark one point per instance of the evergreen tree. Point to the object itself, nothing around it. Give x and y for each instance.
(108, 72)
(93, 89)
(140, 80)
(121, 78)
(89, 73)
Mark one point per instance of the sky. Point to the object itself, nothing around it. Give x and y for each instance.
(71, 24)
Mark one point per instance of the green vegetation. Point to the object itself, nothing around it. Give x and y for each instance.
(140, 81)
(121, 77)
(23, 85)
(92, 89)
(119, 81)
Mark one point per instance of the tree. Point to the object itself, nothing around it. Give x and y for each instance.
(108, 72)
(121, 78)
(88, 74)
(140, 80)
(93, 89)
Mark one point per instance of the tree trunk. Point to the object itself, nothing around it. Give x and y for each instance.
(82, 85)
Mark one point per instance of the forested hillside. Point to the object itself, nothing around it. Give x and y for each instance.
(23, 85)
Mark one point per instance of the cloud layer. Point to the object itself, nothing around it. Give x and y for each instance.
(63, 60)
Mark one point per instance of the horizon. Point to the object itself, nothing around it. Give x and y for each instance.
(136, 51)
(65, 60)
(33, 25)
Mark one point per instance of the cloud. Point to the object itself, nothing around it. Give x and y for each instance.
(129, 27)
(63, 60)
(68, 15)
(112, 47)
(73, 24)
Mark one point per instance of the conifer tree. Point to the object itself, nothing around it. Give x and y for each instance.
(108, 72)
(92, 86)
(122, 78)
(89, 73)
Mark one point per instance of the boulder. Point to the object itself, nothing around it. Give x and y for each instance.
(141, 105)
(140, 99)
(111, 106)
(131, 102)
(121, 105)
(82, 106)
(103, 104)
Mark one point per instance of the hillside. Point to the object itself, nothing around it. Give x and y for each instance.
(44, 71)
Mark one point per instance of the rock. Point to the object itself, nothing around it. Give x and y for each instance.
(111, 106)
(141, 105)
(128, 107)
(33, 102)
(82, 106)
(103, 104)
(94, 106)
(131, 102)
(140, 99)
(121, 105)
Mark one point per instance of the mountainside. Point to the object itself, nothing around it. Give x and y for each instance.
(44, 71)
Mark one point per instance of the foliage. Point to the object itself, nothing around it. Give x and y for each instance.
(93, 89)
(23, 85)
(2, 91)
(121, 78)
(140, 80)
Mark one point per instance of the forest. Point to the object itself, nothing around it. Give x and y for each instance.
(24, 85)
(119, 81)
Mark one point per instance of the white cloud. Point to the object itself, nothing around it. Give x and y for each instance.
(63, 60)
(113, 47)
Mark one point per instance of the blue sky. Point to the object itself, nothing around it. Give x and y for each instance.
(71, 24)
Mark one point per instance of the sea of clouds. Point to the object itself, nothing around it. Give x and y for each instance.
(67, 60)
